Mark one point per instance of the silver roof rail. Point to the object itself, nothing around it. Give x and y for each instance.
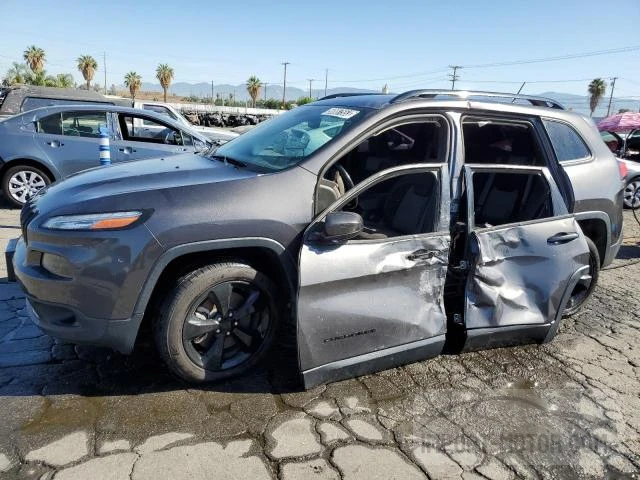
(477, 95)
(354, 94)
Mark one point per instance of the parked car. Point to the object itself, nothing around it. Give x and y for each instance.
(22, 98)
(386, 228)
(51, 143)
(631, 183)
(218, 135)
(624, 145)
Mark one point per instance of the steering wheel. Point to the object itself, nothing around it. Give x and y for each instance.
(346, 178)
(172, 138)
(348, 185)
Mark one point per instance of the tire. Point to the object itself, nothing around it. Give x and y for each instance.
(631, 194)
(204, 334)
(30, 178)
(582, 292)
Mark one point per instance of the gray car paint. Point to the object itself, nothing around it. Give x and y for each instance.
(195, 200)
(363, 305)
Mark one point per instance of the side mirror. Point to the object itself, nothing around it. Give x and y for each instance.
(339, 226)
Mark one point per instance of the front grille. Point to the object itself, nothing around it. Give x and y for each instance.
(27, 214)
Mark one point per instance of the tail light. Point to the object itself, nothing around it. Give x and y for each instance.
(622, 167)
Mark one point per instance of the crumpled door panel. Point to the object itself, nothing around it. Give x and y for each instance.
(361, 297)
(520, 275)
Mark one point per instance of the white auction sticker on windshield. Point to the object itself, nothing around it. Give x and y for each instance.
(345, 113)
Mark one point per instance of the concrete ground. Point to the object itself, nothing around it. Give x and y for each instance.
(567, 409)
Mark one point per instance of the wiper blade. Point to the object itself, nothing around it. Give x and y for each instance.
(229, 161)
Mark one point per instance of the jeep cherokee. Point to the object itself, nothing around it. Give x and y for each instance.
(387, 228)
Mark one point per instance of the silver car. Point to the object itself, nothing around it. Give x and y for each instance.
(632, 183)
(47, 144)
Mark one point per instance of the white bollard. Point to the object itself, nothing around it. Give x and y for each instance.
(105, 148)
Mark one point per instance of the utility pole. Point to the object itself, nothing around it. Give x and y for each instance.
(212, 101)
(284, 85)
(453, 76)
(265, 90)
(104, 65)
(613, 85)
(326, 80)
(310, 83)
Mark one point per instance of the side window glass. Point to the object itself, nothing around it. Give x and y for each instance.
(501, 198)
(51, 124)
(489, 141)
(409, 143)
(187, 140)
(144, 129)
(406, 204)
(566, 142)
(158, 109)
(83, 124)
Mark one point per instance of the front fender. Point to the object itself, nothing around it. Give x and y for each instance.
(209, 246)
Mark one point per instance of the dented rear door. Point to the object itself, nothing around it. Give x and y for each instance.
(365, 299)
(522, 272)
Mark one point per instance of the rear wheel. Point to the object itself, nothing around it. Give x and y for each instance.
(587, 283)
(632, 194)
(22, 182)
(218, 322)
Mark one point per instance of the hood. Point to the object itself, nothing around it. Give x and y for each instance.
(178, 171)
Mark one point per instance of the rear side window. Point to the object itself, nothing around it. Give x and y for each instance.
(500, 142)
(83, 124)
(566, 142)
(501, 198)
(51, 124)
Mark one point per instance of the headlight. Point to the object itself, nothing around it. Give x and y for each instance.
(93, 221)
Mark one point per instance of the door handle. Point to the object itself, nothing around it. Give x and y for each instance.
(55, 144)
(562, 237)
(422, 254)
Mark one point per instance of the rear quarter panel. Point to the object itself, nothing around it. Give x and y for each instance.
(596, 181)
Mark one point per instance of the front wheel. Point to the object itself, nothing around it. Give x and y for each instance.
(22, 182)
(218, 322)
(587, 283)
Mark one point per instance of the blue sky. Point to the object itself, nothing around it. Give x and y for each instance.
(406, 44)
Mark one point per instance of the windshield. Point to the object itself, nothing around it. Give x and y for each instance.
(288, 139)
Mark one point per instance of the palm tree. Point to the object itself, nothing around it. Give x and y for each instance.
(18, 73)
(35, 57)
(164, 74)
(596, 89)
(253, 87)
(133, 81)
(87, 66)
(65, 80)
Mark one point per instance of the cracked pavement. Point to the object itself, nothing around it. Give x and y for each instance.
(567, 409)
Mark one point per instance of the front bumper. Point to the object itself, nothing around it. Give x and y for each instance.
(95, 303)
(64, 323)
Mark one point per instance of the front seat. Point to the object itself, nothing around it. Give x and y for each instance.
(409, 209)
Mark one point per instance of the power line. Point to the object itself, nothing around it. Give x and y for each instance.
(559, 57)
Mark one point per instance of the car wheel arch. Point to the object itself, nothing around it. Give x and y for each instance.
(30, 163)
(265, 255)
(597, 229)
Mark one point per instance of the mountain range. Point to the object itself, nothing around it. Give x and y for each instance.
(578, 103)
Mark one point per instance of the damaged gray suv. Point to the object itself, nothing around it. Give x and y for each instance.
(385, 228)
